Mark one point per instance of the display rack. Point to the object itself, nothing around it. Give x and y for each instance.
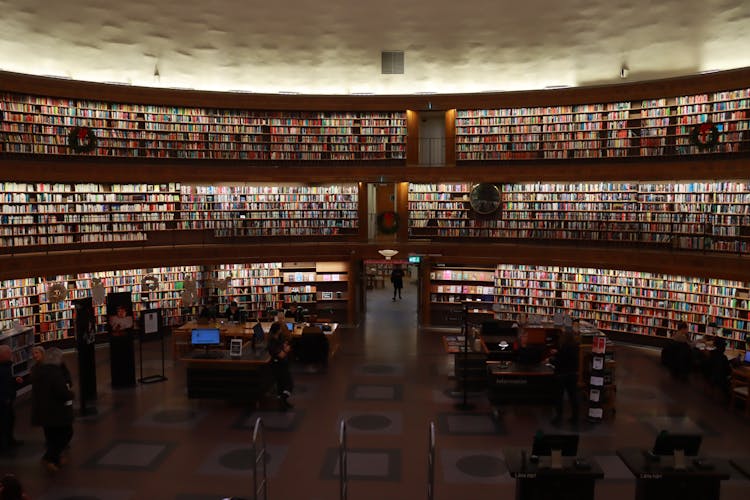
(599, 371)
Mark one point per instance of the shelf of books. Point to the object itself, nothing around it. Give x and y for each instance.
(332, 295)
(665, 126)
(453, 288)
(37, 215)
(42, 125)
(45, 214)
(20, 339)
(254, 210)
(300, 284)
(626, 301)
(255, 286)
(707, 215)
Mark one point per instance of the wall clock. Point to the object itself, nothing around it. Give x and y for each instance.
(484, 198)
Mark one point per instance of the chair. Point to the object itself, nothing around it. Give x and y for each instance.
(739, 388)
(312, 347)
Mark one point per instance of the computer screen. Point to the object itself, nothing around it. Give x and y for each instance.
(747, 358)
(205, 336)
(666, 443)
(290, 327)
(545, 443)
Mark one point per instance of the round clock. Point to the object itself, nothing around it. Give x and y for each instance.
(484, 198)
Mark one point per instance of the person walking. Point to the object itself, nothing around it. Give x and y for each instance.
(52, 407)
(397, 278)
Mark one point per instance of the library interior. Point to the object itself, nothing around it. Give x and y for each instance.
(305, 275)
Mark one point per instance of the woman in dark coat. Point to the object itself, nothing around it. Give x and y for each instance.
(52, 406)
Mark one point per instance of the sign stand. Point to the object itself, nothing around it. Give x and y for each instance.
(151, 325)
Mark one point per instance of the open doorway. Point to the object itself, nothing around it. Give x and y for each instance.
(391, 324)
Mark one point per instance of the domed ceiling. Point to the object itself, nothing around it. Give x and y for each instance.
(334, 46)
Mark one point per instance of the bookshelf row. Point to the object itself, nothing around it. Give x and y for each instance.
(37, 125)
(41, 214)
(614, 300)
(656, 127)
(690, 215)
(41, 126)
(256, 287)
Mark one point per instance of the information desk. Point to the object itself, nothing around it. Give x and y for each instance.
(243, 379)
(511, 382)
(537, 481)
(659, 480)
(181, 335)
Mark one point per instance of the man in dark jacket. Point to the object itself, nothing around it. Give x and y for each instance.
(52, 406)
(279, 349)
(397, 278)
(8, 385)
(565, 361)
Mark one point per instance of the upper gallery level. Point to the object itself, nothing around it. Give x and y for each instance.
(693, 127)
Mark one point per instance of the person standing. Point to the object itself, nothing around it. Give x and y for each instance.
(52, 407)
(397, 278)
(279, 349)
(8, 385)
(565, 361)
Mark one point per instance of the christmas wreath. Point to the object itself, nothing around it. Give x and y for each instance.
(82, 139)
(705, 135)
(388, 222)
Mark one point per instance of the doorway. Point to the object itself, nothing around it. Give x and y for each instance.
(432, 138)
(391, 325)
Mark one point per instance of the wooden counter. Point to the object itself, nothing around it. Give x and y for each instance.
(247, 378)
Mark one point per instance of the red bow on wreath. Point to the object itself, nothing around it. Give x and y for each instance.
(82, 133)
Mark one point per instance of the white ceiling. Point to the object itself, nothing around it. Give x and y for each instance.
(333, 46)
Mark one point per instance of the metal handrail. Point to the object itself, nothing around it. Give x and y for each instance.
(343, 468)
(431, 462)
(260, 488)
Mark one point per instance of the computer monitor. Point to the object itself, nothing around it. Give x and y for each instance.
(746, 359)
(667, 443)
(545, 444)
(205, 337)
(290, 327)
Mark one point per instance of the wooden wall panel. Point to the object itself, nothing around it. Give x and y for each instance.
(450, 137)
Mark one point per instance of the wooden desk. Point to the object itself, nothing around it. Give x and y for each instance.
(516, 383)
(244, 379)
(181, 335)
(536, 482)
(658, 480)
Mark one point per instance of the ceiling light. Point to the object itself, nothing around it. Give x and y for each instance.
(387, 253)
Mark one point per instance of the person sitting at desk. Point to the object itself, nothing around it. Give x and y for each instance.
(718, 369)
(233, 313)
(295, 313)
(209, 311)
(528, 354)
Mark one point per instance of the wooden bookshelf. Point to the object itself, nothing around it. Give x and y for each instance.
(20, 339)
(453, 287)
(254, 286)
(643, 128)
(706, 216)
(37, 125)
(624, 301)
(38, 216)
(254, 210)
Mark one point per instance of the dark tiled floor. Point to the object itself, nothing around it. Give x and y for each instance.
(388, 382)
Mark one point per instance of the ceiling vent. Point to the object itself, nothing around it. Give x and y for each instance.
(392, 62)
